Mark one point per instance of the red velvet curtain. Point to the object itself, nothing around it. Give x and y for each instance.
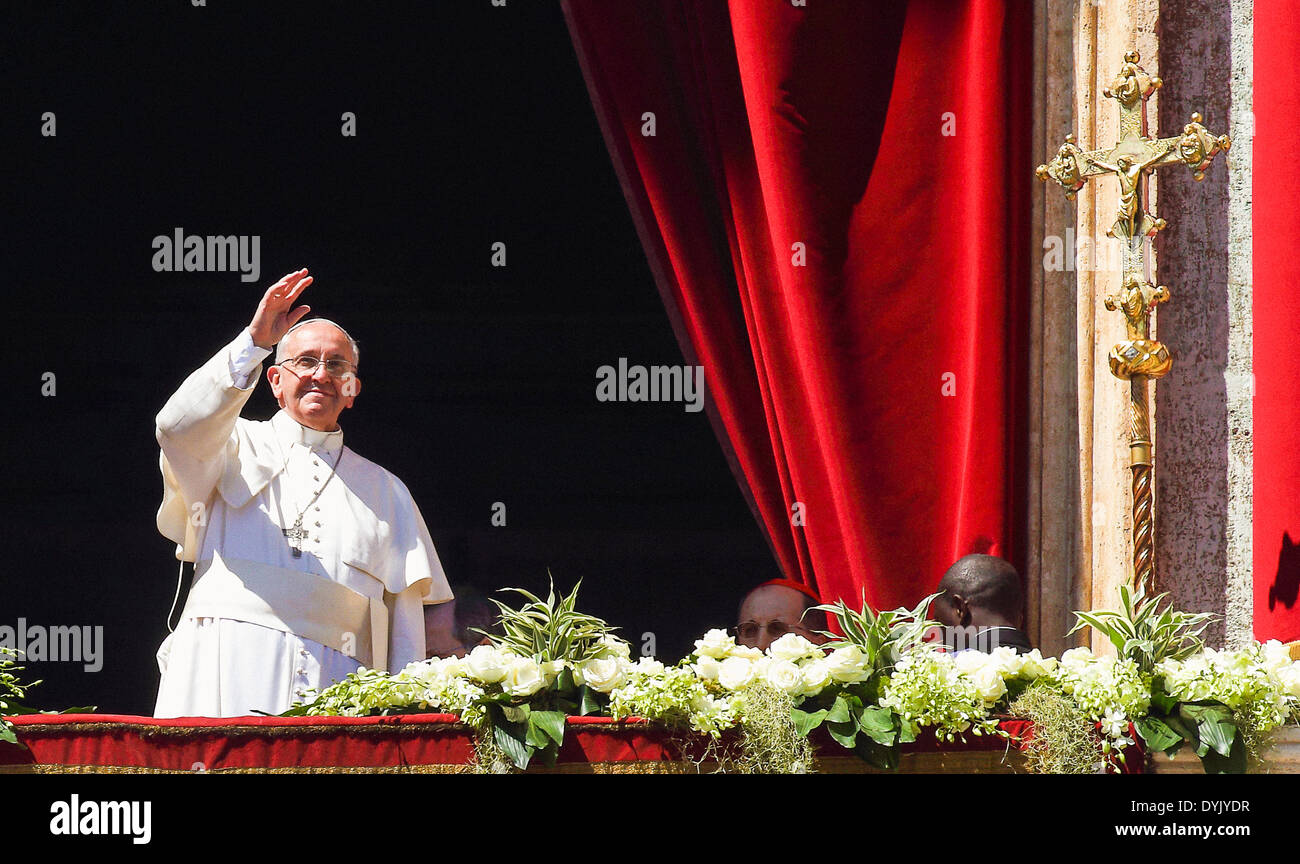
(833, 199)
(1276, 188)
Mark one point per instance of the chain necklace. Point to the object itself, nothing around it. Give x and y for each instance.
(295, 535)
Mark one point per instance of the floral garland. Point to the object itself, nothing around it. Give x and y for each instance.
(869, 704)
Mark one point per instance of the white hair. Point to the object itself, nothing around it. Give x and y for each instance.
(280, 349)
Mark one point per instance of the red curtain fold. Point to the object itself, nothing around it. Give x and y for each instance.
(1276, 303)
(833, 199)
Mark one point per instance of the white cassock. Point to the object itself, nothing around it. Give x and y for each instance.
(262, 625)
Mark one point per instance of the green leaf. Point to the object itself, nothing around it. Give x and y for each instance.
(549, 753)
(845, 734)
(1015, 687)
(1233, 763)
(535, 738)
(564, 682)
(1203, 722)
(1214, 726)
(550, 723)
(806, 721)
(1180, 728)
(515, 749)
(839, 712)
(1157, 734)
(516, 713)
(1218, 734)
(1161, 700)
(880, 724)
(877, 755)
(590, 701)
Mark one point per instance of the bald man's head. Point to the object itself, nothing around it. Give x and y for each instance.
(981, 591)
(768, 612)
(287, 344)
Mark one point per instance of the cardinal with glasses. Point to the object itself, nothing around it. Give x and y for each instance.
(310, 560)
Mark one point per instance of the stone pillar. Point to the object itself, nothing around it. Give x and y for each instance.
(1056, 580)
(1203, 459)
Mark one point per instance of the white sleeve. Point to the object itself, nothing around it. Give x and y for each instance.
(195, 432)
(245, 359)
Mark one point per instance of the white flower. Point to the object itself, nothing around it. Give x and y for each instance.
(454, 667)
(1076, 658)
(1036, 665)
(648, 666)
(485, 663)
(1114, 724)
(604, 674)
(816, 676)
(524, 677)
(746, 651)
(927, 690)
(1008, 662)
(706, 668)
(970, 662)
(792, 647)
(551, 670)
(848, 665)
(1275, 656)
(612, 646)
(989, 683)
(784, 676)
(716, 644)
(1289, 678)
(736, 672)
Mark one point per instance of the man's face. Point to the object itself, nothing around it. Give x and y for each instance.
(768, 613)
(315, 399)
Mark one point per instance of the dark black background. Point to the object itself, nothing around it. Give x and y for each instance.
(474, 126)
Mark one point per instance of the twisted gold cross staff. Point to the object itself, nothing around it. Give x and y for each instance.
(1138, 358)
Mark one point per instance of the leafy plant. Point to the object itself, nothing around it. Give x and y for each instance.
(1208, 726)
(550, 629)
(851, 712)
(11, 692)
(1149, 634)
(554, 632)
(1144, 632)
(882, 637)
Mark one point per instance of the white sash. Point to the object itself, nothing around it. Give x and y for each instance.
(291, 601)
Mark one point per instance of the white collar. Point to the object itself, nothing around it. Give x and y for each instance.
(289, 431)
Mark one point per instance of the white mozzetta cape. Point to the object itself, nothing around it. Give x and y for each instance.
(260, 626)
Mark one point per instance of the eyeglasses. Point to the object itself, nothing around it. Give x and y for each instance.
(307, 365)
(749, 630)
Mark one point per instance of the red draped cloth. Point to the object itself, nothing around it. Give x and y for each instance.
(1275, 189)
(834, 202)
(420, 743)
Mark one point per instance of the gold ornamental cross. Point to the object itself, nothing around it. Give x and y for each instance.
(1138, 358)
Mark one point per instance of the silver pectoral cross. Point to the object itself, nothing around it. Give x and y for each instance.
(295, 536)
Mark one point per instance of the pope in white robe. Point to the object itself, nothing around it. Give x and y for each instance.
(311, 561)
